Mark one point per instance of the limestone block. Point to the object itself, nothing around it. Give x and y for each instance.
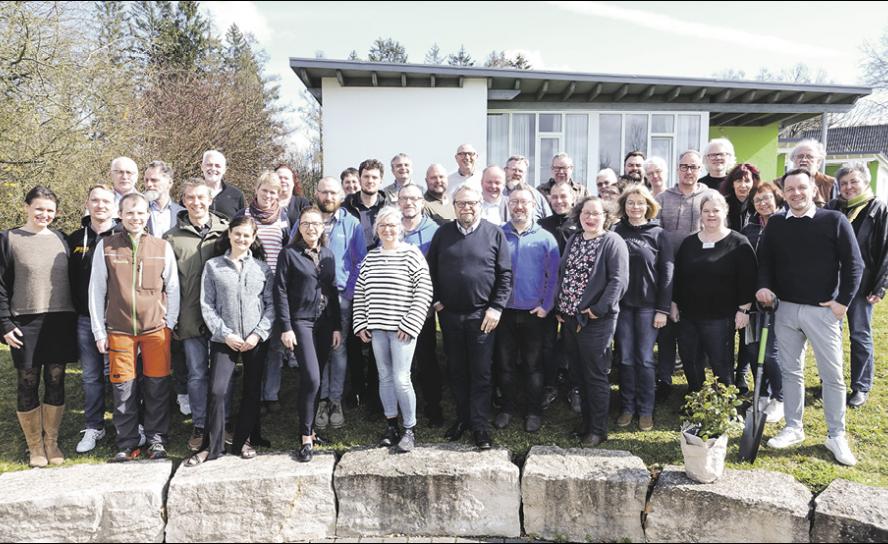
(850, 512)
(434, 490)
(584, 495)
(271, 498)
(741, 506)
(85, 503)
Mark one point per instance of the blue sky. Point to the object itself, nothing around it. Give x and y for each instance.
(691, 39)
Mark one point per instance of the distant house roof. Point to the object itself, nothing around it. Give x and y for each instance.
(735, 103)
(848, 140)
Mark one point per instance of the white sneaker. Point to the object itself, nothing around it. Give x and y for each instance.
(90, 437)
(142, 439)
(789, 436)
(838, 446)
(774, 411)
(184, 404)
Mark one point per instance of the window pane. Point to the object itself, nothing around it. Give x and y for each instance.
(550, 122)
(524, 141)
(687, 134)
(609, 134)
(662, 124)
(549, 147)
(661, 146)
(576, 144)
(497, 138)
(636, 133)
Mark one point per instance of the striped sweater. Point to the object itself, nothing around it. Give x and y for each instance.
(393, 291)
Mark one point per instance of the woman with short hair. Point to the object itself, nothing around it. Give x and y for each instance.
(714, 286)
(38, 321)
(393, 294)
(592, 278)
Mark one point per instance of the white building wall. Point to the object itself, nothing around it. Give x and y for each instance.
(378, 122)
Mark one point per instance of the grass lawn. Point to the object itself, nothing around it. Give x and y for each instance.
(810, 463)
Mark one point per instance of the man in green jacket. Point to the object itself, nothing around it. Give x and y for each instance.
(194, 243)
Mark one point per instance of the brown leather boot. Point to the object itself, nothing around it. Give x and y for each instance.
(52, 420)
(32, 426)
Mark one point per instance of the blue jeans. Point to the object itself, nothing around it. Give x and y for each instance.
(772, 380)
(393, 360)
(860, 323)
(95, 368)
(636, 335)
(197, 359)
(715, 339)
(333, 379)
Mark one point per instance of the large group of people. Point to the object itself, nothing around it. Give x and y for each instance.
(530, 286)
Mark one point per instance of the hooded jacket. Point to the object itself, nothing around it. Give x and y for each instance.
(83, 243)
(422, 236)
(651, 264)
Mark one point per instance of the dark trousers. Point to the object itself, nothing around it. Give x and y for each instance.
(712, 338)
(552, 350)
(519, 347)
(590, 363)
(469, 362)
(155, 393)
(426, 371)
(222, 362)
(860, 324)
(772, 380)
(180, 369)
(313, 344)
(667, 338)
(362, 371)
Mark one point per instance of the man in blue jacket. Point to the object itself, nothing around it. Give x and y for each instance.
(522, 329)
(345, 238)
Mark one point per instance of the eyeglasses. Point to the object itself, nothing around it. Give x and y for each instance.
(689, 167)
(763, 198)
(562, 168)
(311, 225)
(466, 203)
(804, 156)
(721, 155)
(387, 226)
(466, 154)
(642, 204)
(409, 198)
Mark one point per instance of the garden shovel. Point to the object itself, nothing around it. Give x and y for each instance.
(755, 426)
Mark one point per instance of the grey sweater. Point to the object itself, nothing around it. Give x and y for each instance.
(237, 301)
(680, 214)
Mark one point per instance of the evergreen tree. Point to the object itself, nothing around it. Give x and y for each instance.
(387, 50)
(461, 58)
(353, 55)
(434, 55)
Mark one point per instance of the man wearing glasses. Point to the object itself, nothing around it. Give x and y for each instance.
(471, 273)
(124, 174)
(466, 173)
(679, 217)
(719, 157)
(562, 172)
(809, 154)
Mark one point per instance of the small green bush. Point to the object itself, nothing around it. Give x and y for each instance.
(711, 411)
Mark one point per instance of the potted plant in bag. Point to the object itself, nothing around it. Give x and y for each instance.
(711, 413)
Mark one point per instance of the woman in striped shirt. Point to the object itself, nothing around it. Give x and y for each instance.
(392, 297)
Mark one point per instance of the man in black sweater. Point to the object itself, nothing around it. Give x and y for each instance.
(472, 276)
(228, 200)
(809, 259)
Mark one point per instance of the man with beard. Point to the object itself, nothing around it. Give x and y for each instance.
(633, 168)
(438, 204)
(472, 275)
(718, 156)
(516, 172)
(227, 199)
(345, 238)
(810, 154)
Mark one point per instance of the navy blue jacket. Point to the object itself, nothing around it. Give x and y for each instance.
(299, 284)
(651, 264)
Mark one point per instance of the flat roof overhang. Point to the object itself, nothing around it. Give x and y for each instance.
(733, 103)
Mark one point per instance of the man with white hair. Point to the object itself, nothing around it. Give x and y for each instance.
(810, 154)
(605, 178)
(472, 277)
(562, 172)
(123, 173)
(466, 173)
(718, 157)
(228, 200)
(656, 172)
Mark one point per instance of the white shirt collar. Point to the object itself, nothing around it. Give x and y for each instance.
(471, 229)
(809, 213)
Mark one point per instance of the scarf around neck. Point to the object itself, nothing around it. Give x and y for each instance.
(267, 216)
(852, 208)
